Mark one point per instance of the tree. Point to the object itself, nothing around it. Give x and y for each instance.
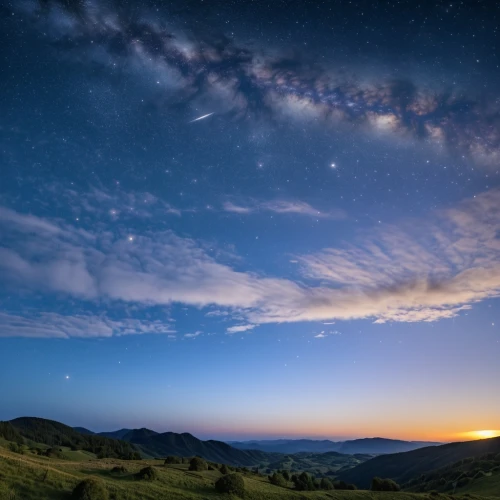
(224, 469)
(198, 464)
(326, 484)
(148, 474)
(303, 482)
(379, 484)
(277, 479)
(232, 484)
(286, 475)
(171, 459)
(90, 489)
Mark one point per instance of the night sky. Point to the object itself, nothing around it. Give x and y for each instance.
(248, 219)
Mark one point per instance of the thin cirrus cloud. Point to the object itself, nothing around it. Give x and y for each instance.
(54, 325)
(420, 270)
(240, 328)
(281, 207)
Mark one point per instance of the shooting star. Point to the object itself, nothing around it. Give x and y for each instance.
(201, 117)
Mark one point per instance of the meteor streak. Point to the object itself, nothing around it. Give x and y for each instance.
(201, 117)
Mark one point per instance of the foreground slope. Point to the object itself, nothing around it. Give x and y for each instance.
(30, 477)
(404, 466)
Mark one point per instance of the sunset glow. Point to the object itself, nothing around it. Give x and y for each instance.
(484, 434)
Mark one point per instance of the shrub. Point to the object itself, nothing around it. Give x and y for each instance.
(232, 484)
(286, 475)
(171, 459)
(278, 480)
(119, 469)
(54, 453)
(198, 464)
(147, 474)
(326, 484)
(379, 484)
(224, 469)
(303, 482)
(90, 489)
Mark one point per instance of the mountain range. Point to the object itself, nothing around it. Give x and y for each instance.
(373, 446)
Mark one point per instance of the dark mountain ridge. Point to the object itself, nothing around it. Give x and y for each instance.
(373, 446)
(55, 434)
(402, 467)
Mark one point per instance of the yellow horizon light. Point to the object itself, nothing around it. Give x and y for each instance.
(483, 434)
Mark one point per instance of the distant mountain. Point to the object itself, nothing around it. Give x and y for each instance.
(404, 466)
(55, 434)
(186, 445)
(82, 430)
(115, 434)
(373, 446)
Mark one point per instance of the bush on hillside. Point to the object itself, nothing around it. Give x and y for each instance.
(54, 453)
(224, 469)
(278, 480)
(303, 482)
(119, 469)
(147, 474)
(286, 475)
(171, 459)
(326, 484)
(379, 484)
(90, 489)
(232, 484)
(198, 464)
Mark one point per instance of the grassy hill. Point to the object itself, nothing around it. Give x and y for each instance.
(402, 467)
(327, 464)
(461, 475)
(55, 434)
(30, 477)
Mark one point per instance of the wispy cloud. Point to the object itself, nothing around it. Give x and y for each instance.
(240, 328)
(420, 270)
(53, 325)
(192, 335)
(282, 207)
(320, 335)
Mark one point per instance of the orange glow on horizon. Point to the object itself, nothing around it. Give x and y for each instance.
(484, 434)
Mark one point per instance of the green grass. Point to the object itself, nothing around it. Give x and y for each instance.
(30, 477)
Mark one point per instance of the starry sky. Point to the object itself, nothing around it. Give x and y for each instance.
(251, 219)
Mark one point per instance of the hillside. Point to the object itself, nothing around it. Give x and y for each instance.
(374, 446)
(29, 477)
(186, 445)
(55, 434)
(402, 467)
(469, 474)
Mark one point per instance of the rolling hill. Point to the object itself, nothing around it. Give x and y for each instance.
(402, 467)
(55, 434)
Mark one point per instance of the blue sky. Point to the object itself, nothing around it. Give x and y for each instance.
(319, 255)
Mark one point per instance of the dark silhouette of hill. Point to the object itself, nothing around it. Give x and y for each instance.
(56, 434)
(82, 430)
(186, 445)
(401, 467)
(373, 446)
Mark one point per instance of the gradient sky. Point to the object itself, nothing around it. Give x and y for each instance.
(317, 256)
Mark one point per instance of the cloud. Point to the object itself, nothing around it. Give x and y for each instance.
(192, 335)
(321, 335)
(53, 325)
(240, 328)
(248, 81)
(418, 270)
(282, 207)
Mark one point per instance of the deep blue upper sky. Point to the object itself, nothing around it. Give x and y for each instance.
(317, 255)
